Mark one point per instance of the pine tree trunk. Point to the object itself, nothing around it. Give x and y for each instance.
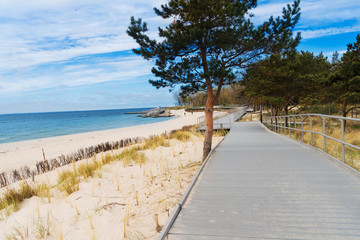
(286, 110)
(209, 109)
(209, 130)
(344, 112)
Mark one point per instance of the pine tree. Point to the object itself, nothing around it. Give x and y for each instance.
(208, 43)
(344, 81)
(285, 80)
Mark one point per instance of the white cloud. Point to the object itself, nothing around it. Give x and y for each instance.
(39, 33)
(308, 34)
(322, 10)
(329, 11)
(121, 69)
(318, 17)
(25, 57)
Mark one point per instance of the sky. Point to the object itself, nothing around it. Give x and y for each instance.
(66, 55)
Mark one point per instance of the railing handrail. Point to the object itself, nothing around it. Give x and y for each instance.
(285, 125)
(317, 114)
(201, 119)
(232, 117)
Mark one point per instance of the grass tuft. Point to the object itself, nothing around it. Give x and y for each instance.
(88, 169)
(69, 181)
(154, 142)
(12, 198)
(43, 229)
(107, 158)
(132, 155)
(183, 136)
(44, 191)
(157, 225)
(220, 133)
(19, 233)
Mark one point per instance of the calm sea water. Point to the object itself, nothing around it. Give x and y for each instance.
(19, 127)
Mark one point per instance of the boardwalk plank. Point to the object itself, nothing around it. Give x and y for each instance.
(259, 185)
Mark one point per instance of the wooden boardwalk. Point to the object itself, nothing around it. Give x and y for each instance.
(225, 122)
(259, 185)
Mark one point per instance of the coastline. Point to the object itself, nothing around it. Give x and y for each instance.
(26, 153)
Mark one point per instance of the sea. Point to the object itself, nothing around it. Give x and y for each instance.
(28, 126)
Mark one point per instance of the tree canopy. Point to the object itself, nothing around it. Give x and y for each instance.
(344, 82)
(283, 80)
(208, 42)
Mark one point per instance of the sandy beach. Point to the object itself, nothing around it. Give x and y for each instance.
(26, 153)
(120, 200)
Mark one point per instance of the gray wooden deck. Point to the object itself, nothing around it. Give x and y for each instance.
(259, 185)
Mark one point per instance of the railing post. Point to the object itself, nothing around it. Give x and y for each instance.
(311, 131)
(302, 128)
(295, 127)
(279, 124)
(274, 124)
(284, 126)
(289, 126)
(324, 133)
(343, 140)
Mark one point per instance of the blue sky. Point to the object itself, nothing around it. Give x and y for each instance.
(62, 55)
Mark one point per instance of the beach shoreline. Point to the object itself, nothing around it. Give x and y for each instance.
(26, 153)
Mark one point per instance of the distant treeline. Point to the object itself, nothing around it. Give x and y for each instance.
(231, 95)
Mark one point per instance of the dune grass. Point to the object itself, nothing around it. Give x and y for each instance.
(220, 133)
(183, 136)
(18, 233)
(44, 191)
(68, 180)
(107, 158)
(11, 198)
(132, 155)
(43, 229)
(88, 169)
(154, 142)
